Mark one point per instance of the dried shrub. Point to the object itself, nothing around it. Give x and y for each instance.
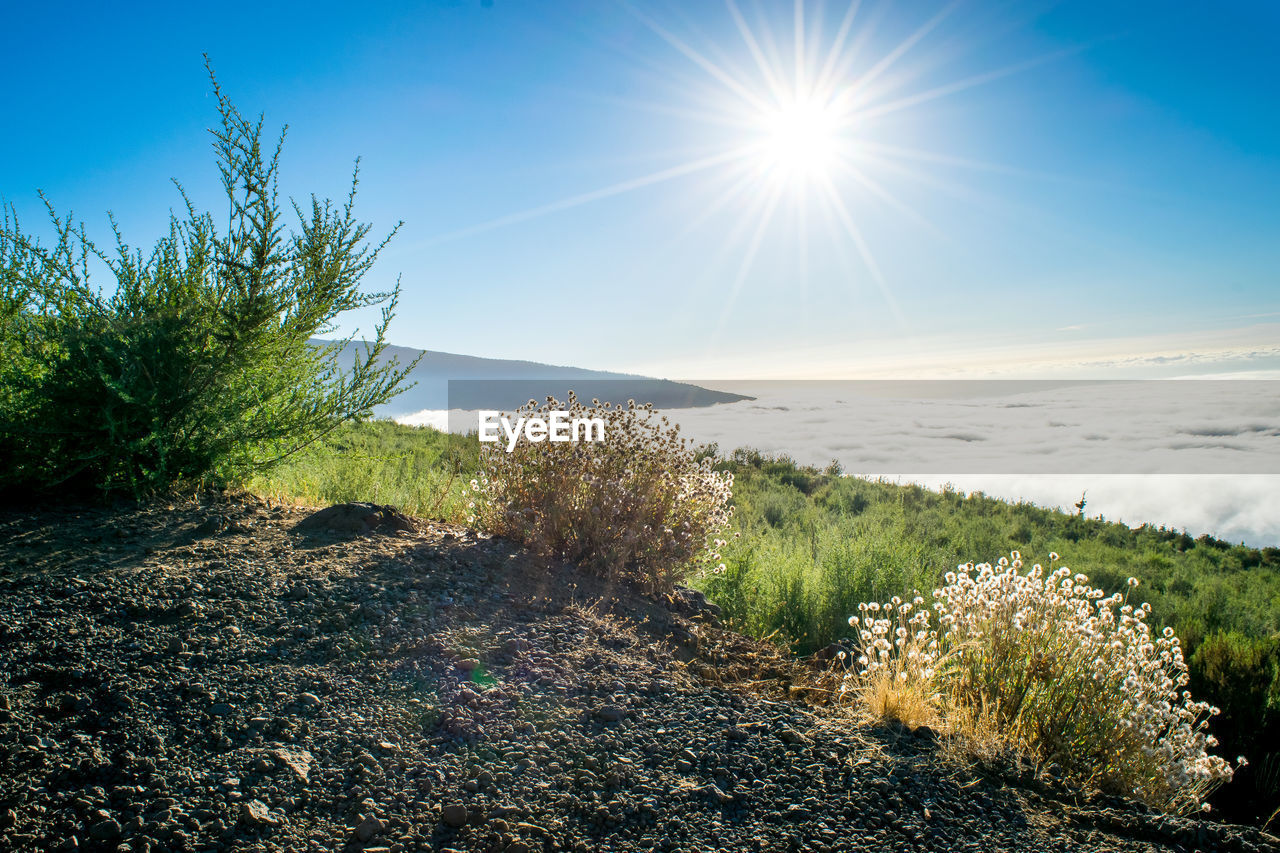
(642, 505)
(1059, 668)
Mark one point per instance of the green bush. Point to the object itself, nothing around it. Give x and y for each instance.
(197, 366)
(642, 505)
(1244, 672)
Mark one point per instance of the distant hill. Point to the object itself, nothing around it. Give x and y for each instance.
(498, 383)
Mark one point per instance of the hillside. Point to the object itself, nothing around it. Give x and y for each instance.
(497, 383)
(810, 545)
(221, 676)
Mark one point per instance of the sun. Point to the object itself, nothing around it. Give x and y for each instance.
(800, 139)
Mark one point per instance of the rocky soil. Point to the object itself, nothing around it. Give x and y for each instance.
(217, 676)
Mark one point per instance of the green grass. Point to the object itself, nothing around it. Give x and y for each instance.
(807, 546)
(813, 545)
(419, 470)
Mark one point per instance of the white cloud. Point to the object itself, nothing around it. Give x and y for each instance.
(1204, 456)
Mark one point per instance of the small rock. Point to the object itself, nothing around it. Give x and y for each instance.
(468, 664)
(356, 518)
(454, 814)
(221, 709)
(792, 736)
(310, 700)
(297, 760)
(611, 713)
(531, 829)
(256, 813)
(369, 827)
(713, 792)
(797, 812)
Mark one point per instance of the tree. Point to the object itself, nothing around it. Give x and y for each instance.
(198, 367)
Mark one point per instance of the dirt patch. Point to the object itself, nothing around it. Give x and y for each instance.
(207, 676)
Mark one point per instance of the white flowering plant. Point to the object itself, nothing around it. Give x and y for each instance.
(643, 504)
(1060, 668)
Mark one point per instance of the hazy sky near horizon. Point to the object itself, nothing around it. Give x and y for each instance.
(712, 189)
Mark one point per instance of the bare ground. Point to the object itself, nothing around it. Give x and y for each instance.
(209, 675)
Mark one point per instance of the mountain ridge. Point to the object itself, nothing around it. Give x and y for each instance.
(497, 383)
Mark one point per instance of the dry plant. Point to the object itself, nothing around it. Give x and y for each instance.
(1048, 665)
(641, 505)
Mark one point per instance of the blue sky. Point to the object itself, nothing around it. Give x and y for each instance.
(1074, 185)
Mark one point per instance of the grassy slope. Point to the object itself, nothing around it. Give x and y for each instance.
(813, 545)
(418, 469)
(808, 546)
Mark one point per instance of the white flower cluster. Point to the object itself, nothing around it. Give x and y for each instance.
(1074, 672)
(902, 638)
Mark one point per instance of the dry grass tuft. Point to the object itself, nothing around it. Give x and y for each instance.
(643, 505)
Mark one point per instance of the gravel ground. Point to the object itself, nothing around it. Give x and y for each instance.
(215, 676)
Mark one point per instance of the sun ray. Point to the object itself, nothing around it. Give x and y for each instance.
(745, 264)
(802, 254)
(798, 25)
(864, 252)
(701, 61)
(753, 46)
(747, 216)
(595, 195)
(906, 210)
(905, 153)
(1021, 215)
(886, 62)
(826, 75)
(720, 203)
(959, 85)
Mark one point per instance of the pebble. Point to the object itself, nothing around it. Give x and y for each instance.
(713, 792)
(454, 814)
(611, 713)
(256, 813)
(369, 827)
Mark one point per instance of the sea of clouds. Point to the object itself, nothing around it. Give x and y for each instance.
(1200, 455)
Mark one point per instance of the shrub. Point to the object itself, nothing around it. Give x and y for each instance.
(639, 505)
(1063, 670)
(899, 655)
(198, 365)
